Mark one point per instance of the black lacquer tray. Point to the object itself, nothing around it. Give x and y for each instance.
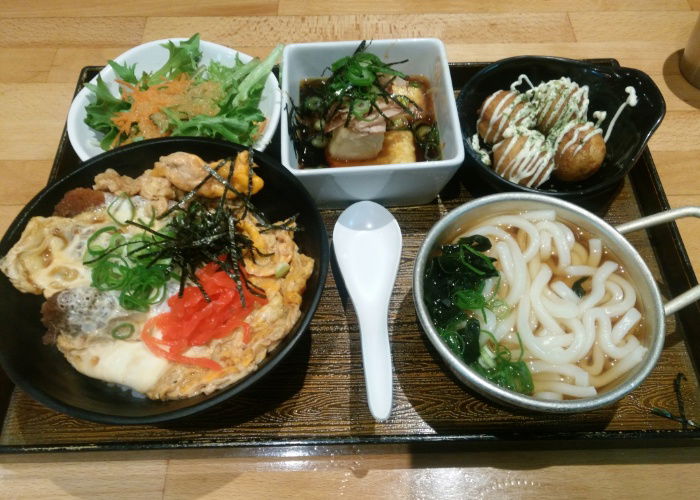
(315, 399)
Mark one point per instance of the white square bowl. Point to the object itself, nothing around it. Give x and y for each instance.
(149, 57)
(393, 185)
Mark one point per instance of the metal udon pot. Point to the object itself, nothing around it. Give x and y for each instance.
(652, 306)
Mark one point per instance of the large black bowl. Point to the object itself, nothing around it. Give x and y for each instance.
(44, 373)
(606, 84)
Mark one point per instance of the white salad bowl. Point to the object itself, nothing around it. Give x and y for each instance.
(397, 184)
(150, 57)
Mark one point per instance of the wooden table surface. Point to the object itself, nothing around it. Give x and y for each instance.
(43, 46)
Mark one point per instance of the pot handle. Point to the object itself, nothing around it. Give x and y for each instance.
(690, 296)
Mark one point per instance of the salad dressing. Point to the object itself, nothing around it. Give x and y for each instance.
(185, 97)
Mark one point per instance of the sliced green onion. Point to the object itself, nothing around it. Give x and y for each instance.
(313, 103)
(340, 63)
(499, 307)
(132, 267)
(123, 331)
(360, 75)
(319, 141)
(137, 246)
(319, 124)
(110, 273)
(94, 249)
(151, 221)
(146, 286)
(399, 123)
(487, 358)
(282, 270)
(469, 299)
(361, 107)
(423, 131)
(117, 243)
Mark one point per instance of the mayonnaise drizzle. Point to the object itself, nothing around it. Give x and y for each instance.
(502, 117)
(599, 117)
(589, 128)
(562, 105)
(560, 135)
(631, 101)
(519, 82)
(533, 161)
(483, 154)
(559, 101)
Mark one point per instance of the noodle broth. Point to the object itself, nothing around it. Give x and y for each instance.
(575, 344)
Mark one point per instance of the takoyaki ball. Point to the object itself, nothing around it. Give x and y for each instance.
(580, 153)
(500, 110)
(525, 158)
(559, 102)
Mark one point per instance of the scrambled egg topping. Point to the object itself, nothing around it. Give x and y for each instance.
(48, 260)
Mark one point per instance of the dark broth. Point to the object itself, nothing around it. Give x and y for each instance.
(309, 116)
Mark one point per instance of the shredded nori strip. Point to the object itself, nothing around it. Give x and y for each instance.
(201, 232)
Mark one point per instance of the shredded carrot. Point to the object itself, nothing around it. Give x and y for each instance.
(261, 128)
(145, 103)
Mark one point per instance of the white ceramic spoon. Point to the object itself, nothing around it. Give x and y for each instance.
(367, 243)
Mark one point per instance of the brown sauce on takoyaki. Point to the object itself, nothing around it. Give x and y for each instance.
(543, 132)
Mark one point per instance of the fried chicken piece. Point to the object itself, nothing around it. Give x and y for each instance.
(185, 171)
(112, 182)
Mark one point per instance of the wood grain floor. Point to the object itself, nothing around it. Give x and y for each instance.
(43, 45)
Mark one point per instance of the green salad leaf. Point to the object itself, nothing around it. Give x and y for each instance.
(126, 73)
(100, 112)
(253, 83)
(238, 118)
(184, 58)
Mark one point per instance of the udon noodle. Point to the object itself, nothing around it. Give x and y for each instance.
(573, 345)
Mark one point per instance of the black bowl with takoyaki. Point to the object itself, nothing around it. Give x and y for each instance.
(159, 279)
(566, 128)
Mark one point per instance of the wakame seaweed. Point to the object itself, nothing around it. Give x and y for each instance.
(453, 286)
(460, 267)
(577, 287)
